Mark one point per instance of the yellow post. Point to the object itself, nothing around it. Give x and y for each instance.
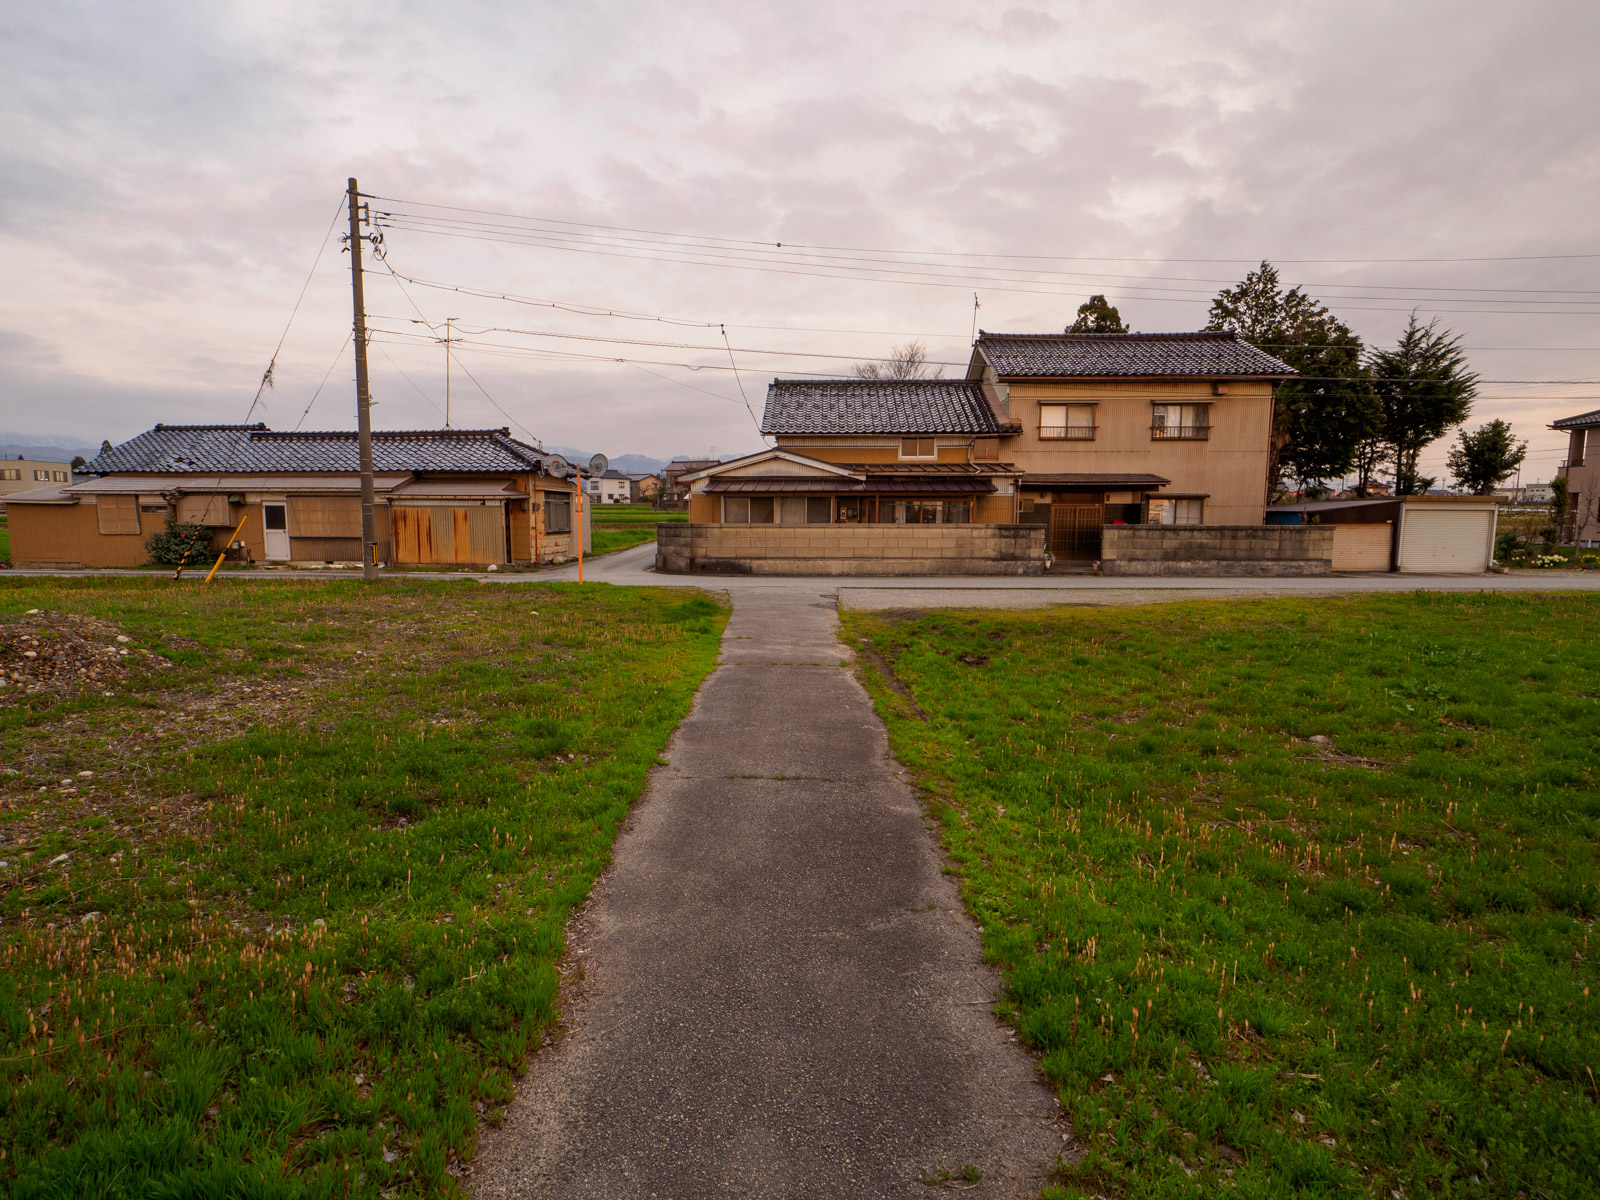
(224, 553)
(582, 528)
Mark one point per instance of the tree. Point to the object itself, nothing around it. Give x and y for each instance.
(1484, 457)
(1424, 388)
(904, 362)
(1561, 508)
(78, 460)
(1321, 417)
(1097, 316)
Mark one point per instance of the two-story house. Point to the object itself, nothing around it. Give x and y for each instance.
(1068, 431)
(1582, 473)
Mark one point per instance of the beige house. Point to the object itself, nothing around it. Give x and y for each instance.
(1066, 432)
(1582, 472)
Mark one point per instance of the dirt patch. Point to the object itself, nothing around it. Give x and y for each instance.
(1322, 751)
(63, 654)
(894, 683)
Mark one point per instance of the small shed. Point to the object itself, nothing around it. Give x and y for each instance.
(1431, 535)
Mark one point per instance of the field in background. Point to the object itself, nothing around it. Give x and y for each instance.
(1295, 898)
(286, 865)
(622, 526)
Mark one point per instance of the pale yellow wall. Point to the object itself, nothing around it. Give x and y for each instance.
(1230, 467)
(866, 448)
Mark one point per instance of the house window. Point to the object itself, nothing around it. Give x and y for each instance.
(819, 510)
(59, 476)
(985, 449)
(41, 475)
(1073, 422)
(10, 473)
(747, 510)
(557, 512)
(956, 512)
(1190, 422)
(919, 447)
(851, 510)
(1172, 511)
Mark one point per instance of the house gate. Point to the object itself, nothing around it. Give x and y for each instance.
(1075, 530)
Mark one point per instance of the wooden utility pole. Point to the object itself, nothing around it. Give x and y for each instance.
(369, 500)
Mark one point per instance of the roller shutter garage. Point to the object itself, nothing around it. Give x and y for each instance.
(1362, 547)
(1445, 540)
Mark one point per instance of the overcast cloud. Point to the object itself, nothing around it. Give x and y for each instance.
(168, 171)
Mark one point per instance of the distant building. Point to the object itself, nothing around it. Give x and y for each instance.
(613, 487)
(644, 487)
(672, 490)
(24, 474)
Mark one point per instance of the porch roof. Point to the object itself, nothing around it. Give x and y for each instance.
(1096, 479)
(840, 485)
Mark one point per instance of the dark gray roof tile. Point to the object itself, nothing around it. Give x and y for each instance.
(1581, 421)
(1058, 355)
(207, 449)
(908, 406)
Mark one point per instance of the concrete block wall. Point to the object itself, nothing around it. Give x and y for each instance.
(1216, 550)
(850, 549)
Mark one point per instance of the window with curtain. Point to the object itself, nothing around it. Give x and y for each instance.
(1181, 421)
(1173, 511)
(1074, 422)
(557, 512)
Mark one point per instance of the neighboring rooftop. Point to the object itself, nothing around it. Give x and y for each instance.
(906, 406)
(1055, 355)
(209, 449)
(1581, 421)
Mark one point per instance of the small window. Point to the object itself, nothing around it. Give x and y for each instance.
(761, 510)
(1074, 422)
(985, 449)
(41, 475)
(557, 512)
(819, 510)
(10, 473)
(1172, 511)
(956, 512)
(919, 447)
(117, 514)
(1180, 421)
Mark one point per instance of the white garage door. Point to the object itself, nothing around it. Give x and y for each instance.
(1433, 539)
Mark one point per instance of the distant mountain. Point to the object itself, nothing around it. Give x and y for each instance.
(630, 464)
(47, 449)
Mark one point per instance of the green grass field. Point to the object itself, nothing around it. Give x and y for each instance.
(1294, 898)
(632, 514)
(297, 932)
(608, 541)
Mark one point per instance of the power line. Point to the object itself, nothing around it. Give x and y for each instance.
(266, 376)
(324, 382)
(739, 379)
(971, 254)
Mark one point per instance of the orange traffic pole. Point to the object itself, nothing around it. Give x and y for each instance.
(582, 527)
(224, 553)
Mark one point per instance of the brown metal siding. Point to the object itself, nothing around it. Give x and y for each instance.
(60, 535)
(205, 509)
(706, 510)
(448, 534)
(320, 549)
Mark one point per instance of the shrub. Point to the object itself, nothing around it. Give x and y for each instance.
(178, 544)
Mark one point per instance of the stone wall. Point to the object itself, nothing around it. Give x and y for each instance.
(850, 549)
(1216, 550)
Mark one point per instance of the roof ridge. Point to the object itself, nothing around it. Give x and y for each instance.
(1192, 335)
(306, 434)
(258, 426)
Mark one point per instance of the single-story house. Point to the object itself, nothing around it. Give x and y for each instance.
(1423, 534)
(444, 496)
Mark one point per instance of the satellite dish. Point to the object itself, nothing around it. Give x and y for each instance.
(598, 465)
(557, 466)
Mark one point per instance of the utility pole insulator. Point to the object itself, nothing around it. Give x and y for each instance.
(369, 499)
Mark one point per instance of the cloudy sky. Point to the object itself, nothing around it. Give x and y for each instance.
(813, 182)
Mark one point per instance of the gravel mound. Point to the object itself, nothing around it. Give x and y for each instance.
(60, 653)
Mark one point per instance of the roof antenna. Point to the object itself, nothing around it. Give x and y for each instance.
(974, 316)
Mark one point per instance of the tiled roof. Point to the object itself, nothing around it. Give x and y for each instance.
(1056, 355)
(908, 406)
(1101, 479)
(1581, 421)
(207, 449)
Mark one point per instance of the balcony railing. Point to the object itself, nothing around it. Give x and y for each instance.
(1188, 433)
(1067, 433)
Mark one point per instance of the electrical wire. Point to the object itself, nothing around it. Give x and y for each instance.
(266, 376)
(325, 376)
(969, 254)
(739, 379)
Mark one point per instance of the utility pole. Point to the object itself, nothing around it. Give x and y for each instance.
(447, 333)
(369, 500)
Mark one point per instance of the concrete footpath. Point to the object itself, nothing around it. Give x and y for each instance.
(782, 996)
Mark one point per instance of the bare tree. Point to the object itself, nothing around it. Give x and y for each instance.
(904, 362)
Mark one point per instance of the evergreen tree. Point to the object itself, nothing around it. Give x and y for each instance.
(1322, 417)
(1097, 316)
(1424, 388)
(1484, 457)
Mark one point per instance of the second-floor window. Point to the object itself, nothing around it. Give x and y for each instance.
(1185, 421)
(1073, 422)
(10, 473)
(985, 449)
(919, 447)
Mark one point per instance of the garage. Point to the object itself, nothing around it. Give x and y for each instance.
(1425, 535)
(1446, 534)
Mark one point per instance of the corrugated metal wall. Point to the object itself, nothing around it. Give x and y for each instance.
(449, 534)
(325, 517)
(117, 514)
(206, 509)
